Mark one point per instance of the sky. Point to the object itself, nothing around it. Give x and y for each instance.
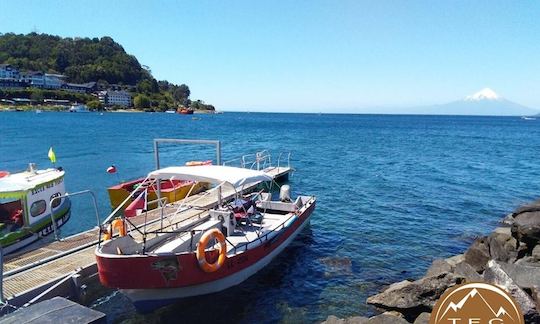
(313, 56)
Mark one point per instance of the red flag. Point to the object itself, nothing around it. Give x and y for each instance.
(138, 205)
(111, 169)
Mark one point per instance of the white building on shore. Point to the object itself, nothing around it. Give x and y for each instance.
(9, 72)
(115, 98)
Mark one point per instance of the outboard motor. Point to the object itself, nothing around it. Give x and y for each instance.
(285, 193)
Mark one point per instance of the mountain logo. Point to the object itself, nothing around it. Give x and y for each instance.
(476, 303)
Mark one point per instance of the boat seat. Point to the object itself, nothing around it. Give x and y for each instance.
(184, 239)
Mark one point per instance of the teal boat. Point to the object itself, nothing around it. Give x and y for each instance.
(26, 211)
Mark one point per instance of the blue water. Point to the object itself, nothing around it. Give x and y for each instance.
(394, 192)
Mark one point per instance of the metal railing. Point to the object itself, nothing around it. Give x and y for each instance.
(67, 195)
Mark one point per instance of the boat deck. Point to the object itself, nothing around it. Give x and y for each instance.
(46, 263)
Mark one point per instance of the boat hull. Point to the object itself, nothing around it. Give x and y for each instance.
(39, 232)
(118, 194)
(180, 276)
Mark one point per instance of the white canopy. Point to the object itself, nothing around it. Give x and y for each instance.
(211, 173)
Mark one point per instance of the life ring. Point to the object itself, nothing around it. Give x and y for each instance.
(117, 224)
(201, 256)
(4, 174)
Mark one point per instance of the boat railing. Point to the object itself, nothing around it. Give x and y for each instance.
(288, 154)
(257, 161)
(67, 195)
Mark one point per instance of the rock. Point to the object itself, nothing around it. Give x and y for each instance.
(478, 254)
(454, 260)
(437, 267)
(387, 318)
(466, 271)
(356, 320)
(526, 228)
(535, 294)
(422, 318)
(536, 253)
(502, 246)
(525, 276)
(413, 298)
(496, 275)
(508, 220)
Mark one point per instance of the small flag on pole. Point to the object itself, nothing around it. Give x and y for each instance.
(51, 155)
(137, 206)
(111, 169)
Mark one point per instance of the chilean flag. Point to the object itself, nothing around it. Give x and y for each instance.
(137, 206)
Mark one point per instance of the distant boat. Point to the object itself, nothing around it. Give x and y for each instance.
(528, 118)
(170, 112)
(195, 118)
(185, 111)
(39, 111)
(79, 109)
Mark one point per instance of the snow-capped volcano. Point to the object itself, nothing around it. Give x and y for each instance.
(485, 102)
(484, 94)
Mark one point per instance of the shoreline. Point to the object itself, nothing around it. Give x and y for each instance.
(508, 257)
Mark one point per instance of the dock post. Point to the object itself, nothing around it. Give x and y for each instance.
(2, 275)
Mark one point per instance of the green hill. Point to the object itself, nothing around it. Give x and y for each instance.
(92, 59)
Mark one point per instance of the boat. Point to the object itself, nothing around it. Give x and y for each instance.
(27, 207)
(170, 111)
(185, 111)
(207, 252)
(39, 111)
(172, 190)
(79, 109)
(528, 118)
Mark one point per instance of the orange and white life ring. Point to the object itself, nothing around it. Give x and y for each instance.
(117, 224)
(196, 163)
(203, 242)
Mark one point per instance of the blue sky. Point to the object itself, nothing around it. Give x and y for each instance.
(328, 56)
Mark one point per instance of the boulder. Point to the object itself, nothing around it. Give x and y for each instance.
(502, 246)
(478, 254)
(508, 220)
(356, 320)
(496, 275)
(465, 270)
(437, 267)
(525, 276)
(413, 298)
(536, 253)
(454, 260)
(526, 228)
(387, 318)
(422, 318)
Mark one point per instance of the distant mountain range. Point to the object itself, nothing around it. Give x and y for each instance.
(486, 102)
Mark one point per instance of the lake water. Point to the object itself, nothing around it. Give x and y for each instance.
(394, 192)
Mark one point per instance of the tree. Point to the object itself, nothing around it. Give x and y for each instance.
(144, 86)
(181, 92)
(141, 101)
(95, 105)
(37, 96)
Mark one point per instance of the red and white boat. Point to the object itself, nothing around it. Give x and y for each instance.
(192, 252)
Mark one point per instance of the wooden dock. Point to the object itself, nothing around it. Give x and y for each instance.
(59, 268)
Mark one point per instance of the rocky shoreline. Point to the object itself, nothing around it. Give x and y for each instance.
(509, 257)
